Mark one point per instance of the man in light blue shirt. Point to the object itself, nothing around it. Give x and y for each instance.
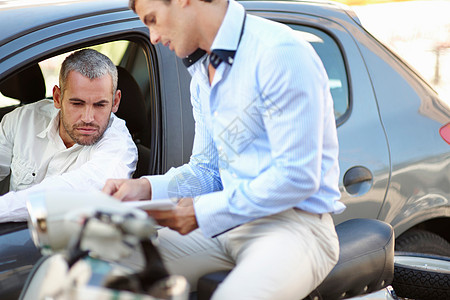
(262, 180)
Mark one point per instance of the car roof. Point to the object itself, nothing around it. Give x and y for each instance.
(19, 17)
(321, 8)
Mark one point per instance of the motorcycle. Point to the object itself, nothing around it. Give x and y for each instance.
(95, 247)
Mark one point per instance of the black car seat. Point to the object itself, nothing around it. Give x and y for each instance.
(132, 110)
(27, 86)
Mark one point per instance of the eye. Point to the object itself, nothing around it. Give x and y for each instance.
(100, 104)
(149, 20)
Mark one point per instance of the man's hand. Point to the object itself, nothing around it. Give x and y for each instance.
(128, 189)
(181, 218)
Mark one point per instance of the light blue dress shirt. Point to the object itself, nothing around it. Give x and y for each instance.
(265, 133)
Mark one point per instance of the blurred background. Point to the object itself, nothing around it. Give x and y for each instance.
(417, 30)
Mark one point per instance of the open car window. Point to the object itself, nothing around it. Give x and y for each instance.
(36, 81)
(6, 101)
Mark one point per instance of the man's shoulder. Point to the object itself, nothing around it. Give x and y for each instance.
(267, 34)
(268, 41)
(43, 107)
(117, 123)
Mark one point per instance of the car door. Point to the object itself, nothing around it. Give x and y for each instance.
(363, 148)
(46, 33)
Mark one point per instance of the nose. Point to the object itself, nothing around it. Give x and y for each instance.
(155, 38)
(88, 115)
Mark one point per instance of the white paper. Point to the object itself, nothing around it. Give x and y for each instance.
(157, 204)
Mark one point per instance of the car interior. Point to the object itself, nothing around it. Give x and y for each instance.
(29, 85)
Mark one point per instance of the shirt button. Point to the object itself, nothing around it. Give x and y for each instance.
(216, 113)
(220, 148)
(234, 175)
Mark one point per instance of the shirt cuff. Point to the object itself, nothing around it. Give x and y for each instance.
(160, 186)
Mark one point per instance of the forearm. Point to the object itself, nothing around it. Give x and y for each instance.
(188, 180)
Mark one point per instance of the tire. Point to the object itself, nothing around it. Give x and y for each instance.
(421, 276)
(422, 241)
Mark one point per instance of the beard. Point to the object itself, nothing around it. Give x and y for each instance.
(83, 139)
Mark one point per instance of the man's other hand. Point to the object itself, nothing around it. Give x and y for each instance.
(181, 218)
(128, 189)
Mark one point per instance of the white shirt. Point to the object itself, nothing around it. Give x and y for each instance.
(30, 145)
(265, 132)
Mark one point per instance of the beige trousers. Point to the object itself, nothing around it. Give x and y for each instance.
(283, 256)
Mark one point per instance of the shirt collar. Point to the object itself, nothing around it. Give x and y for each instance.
(227, 39)
(229, 34)
(52, 129)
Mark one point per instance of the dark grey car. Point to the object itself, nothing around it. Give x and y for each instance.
(394, 131)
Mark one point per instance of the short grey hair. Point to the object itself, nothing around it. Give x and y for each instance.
(132, 3)
(89, 63)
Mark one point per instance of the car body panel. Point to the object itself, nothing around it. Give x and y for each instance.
(18, 255)
(420, 157)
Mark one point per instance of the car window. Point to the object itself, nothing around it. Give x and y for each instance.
(35, 81)
(333, 61)
(6, 101)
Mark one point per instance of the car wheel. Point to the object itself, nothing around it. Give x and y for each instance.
(422, 241)
(421, 276)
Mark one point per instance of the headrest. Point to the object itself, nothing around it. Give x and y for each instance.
(132, 105)
(28, 86)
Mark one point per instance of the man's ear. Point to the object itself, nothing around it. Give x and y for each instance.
(116, 102)
(57, 96)
(183, 3)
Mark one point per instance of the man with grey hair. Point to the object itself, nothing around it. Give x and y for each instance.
(72, 142)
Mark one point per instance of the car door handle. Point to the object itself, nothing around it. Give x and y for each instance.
(358, 180)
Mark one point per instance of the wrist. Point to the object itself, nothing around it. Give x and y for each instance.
(146, 188)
